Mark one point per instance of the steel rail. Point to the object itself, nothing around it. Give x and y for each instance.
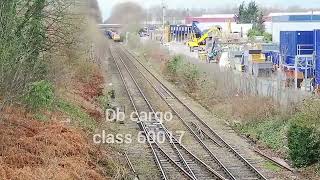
(152, 109)
(246, 162)
(163, 174)
(167, 132)
(225, 169)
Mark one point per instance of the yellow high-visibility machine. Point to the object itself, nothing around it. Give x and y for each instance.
(196, 43)
(166, 34)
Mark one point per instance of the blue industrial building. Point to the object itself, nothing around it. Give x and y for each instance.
(296, 43)
(180, 32)
(307, 21)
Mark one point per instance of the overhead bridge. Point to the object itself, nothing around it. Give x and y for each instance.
(109, 26)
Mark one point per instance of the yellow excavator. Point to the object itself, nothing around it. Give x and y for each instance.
(197, 43)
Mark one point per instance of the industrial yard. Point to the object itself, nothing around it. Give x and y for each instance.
(170, 90)
(236, 89)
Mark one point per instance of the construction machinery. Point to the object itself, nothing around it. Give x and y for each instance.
(214, 52)
(211, 50)
(198, 40)
(256, 63)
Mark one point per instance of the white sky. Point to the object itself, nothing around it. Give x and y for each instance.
(106, 5)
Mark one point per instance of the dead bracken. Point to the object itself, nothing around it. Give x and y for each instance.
(30, 149)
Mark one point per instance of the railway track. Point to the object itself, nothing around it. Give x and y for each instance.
(231, 164)
(172, 158)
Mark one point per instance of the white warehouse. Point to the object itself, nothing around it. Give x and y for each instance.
(305, 21)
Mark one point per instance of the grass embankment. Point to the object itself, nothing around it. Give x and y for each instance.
(55, 142)
(51, 93)
(292, 134)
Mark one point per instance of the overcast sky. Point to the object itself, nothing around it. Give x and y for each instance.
(106, 5)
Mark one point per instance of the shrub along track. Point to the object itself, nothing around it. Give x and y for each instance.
(219, 155)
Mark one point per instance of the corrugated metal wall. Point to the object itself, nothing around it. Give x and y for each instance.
(277, 27)
(288, 43)
(289, 40)
(318, 70)
(317, 52)
(317, 41)
(296, 18)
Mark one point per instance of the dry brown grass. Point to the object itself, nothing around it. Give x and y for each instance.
(90, 89)
(229, 95)
(34, 150)
(252, 108)
(231, 106)
(244, 108)
(30, 149)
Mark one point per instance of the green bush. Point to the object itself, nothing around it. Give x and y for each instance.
(304, 135)
(175, 64)
(104, 100)
(252, 33)
(267, 37)
(270, 131)
(39, 95)
(22, 41)
(303, 145)
(191, 72)
(191, 75)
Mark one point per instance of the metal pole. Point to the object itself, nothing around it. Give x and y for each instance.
(296, 72)
(147, 19)
(127, 36)
(163, 14)
(163, 19)
(180, 34)
(306, 74)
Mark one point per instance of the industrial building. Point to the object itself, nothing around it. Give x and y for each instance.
(304, 21)
(295, 49)
(227, 22)
(274, 22)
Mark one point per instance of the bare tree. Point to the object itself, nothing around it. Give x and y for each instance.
(126, 13)
(30, 30)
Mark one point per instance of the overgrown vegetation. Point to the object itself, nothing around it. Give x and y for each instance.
(43, 45)
(270, 131)
(46, 48)
(29, 30)
(252, 33)
(185, 73)
(39, 95)
(175, 65)
(37, 150)
(304, 135)
(251, 13)
(50, 54)
(297, 135)
(78, 116)
(22, 42)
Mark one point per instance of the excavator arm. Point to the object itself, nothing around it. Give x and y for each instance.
(213, 30)
(195, 42)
